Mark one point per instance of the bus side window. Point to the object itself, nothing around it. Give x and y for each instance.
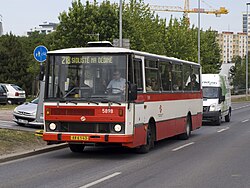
(177, 77)
(196, 72)
(152, 72)
(166, 77)
(138, 74)
(187, 70)
(152, 81)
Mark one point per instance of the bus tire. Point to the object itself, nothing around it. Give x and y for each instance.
(228, 116)
(76, 148)
(187, 133)
(150, 140)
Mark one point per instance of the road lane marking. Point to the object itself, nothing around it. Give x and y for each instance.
(183, 146)
(219, 131)
(236, 175)
(101, 180)
(241, 107)
(244, 121)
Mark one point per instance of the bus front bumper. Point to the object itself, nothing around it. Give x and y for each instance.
(87, 138)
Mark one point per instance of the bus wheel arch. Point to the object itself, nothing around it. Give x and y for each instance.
(150, 137)
(152, 124)
(189, 115)
(188, 128)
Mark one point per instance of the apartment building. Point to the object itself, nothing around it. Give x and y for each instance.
(245, 24)
(232, 44)
(44, 28)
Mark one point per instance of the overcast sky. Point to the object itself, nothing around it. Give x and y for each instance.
(18, 16)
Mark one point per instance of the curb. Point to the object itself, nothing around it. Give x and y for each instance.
(21, 155)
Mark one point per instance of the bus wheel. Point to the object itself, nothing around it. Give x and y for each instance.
(150, 141)
(76, 148)
(187, 133)
(228, 116)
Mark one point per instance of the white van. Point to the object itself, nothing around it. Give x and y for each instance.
(216, 98)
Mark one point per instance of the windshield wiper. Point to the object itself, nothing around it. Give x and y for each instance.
(105, 100)
(68, 101)
(90, 101)
(80, 100)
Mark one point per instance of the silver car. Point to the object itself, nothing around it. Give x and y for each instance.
(25, 114)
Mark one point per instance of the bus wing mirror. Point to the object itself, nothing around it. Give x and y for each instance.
(41, 74)
(132, 92)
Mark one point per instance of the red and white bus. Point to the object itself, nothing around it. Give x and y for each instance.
(156, 101)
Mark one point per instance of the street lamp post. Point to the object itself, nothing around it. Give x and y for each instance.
(199, 34)
(247, 56)
(120, 25)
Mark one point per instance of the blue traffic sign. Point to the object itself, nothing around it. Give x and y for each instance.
(40, 53)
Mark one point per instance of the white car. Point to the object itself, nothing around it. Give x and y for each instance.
(15, 94)
(25, 114)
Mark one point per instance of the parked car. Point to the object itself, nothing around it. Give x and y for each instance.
(3, 95)
(25, 114)
(15, 94)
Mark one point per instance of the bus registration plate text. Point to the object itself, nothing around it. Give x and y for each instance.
(82, 138)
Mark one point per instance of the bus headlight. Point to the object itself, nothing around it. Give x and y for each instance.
(117, 128)
(52, 126)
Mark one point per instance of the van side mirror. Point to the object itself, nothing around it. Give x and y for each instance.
(41, 74)
(222, 98)
(132, 92)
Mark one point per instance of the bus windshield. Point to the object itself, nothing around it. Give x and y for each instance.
(98, 78)
(210, 92)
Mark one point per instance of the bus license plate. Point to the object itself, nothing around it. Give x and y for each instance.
(82, 138)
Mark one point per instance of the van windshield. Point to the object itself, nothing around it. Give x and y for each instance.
(210, 92)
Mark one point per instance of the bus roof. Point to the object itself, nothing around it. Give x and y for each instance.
(112, 50)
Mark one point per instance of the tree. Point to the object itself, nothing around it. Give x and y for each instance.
(33, 67)
(144, 29)
(90, 22)
(85, 23)
(100, 21)
(238, 74)
(210, 52)
(13, 61)
(180, 41)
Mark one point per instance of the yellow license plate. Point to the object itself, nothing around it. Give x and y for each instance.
(82, 138)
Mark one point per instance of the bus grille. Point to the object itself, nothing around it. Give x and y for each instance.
(65, 111)
(71, 127)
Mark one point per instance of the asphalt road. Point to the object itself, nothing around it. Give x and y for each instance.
(6, 122)
(215, 156)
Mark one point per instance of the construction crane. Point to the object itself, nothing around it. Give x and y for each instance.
(186, 9)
